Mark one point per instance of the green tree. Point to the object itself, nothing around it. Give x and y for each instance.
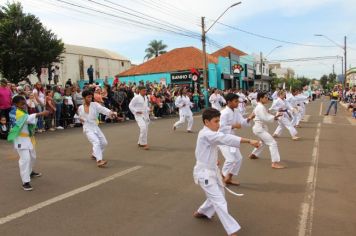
(324, 81)
(155, 49)
(25, 44)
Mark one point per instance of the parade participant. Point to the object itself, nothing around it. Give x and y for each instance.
(301, 101)
(252, 96)
(207, 174)
(275, 94)
(261, 130)
(184, 104)
(230, 120)
(22, 135)
(216, 100)
(242, 102)
(280, 105)
(140, 108)
(88, 113)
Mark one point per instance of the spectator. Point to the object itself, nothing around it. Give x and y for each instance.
(334, 97)
(38, 91)
(68, 108)
(31, 104)
(50, 106)
(77, 97)
(5, 99)
(58, 101)
(4, 128)
(69, 83)
(90, 73)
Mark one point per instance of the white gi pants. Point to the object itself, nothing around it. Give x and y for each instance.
(26, 162)
(143, 125)
(182, 119)
(216, 202)
(98, 140)
(233, 160)
(284, 122)
(268, 140)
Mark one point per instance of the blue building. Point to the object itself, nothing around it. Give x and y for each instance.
(179, 66)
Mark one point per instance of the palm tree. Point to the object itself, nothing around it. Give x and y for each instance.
(155, 49)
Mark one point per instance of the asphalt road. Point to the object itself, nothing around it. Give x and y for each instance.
(153, 193)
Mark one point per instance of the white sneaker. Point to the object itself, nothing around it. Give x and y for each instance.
(59, 127)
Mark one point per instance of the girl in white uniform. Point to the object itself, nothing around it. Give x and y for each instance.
(260, 129)
(185, 113)
(216, 100)
(230, 120)
(207, 174)
(88, 113)
(139, 106)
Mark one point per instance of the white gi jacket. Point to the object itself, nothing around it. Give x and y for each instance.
(184, 110)
(90, 119)
(140, 104)
(261, 116)
(24, 141)
(206, 154)
(280, 105)
(216, 100)
(231, 117)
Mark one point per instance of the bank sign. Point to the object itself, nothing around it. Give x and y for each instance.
(185, 76)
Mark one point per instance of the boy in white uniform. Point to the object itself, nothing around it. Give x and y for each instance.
(261, 130)
(141, 110)
(207, 174)
(280, 105)
(230, 120)
(22, 135)
(216, 100)
(88, 113)
(185, 113)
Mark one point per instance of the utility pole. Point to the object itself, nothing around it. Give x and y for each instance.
(342, 65)
(261, 62)
(333, 69)
(345, 68)
(203, 40)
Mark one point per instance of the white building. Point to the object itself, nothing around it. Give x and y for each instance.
(261, 82)
(77, 59)
(281, 72)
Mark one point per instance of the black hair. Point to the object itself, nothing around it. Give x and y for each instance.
(141, 88)
(210, 113)
(17, 99)
(86, 93)
(261, 95)
(231, 96)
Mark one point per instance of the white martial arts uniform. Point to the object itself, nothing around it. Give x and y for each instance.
(275, 95)
(242, 104)
(216, 100)
(253, 98)
(207, 174)
(301, 100)
(141, 104)
(184, 104)
(232, 155)
(91, 128)
(280, 105)
(24, 145)
(260, 129)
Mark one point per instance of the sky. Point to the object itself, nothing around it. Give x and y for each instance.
(294, 21)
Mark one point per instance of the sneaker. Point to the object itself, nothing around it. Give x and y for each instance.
(35, 174)
(59, 127)
(52, 129)
(27, 186)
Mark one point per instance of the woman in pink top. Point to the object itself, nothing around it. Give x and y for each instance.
(5, 99)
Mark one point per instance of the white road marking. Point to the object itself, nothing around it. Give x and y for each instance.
(307, 207)
(327, 120)
(352, 121)
(61, 197)
(321, 109)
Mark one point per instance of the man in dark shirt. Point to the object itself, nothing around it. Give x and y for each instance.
(90, 73)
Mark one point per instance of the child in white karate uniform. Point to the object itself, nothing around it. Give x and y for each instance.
(185, 113)
(88, 113)
(22, 135)
(207, 174)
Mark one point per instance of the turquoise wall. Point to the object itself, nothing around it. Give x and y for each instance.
(149, 77)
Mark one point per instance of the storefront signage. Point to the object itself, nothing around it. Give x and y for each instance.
(237, 68)
(186, 76)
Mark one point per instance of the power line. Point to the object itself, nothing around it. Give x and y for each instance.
(128, 20)
(155, 20)
(305, 59)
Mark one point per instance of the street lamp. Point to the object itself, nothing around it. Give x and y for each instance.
(203, 40)
(343, 47)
